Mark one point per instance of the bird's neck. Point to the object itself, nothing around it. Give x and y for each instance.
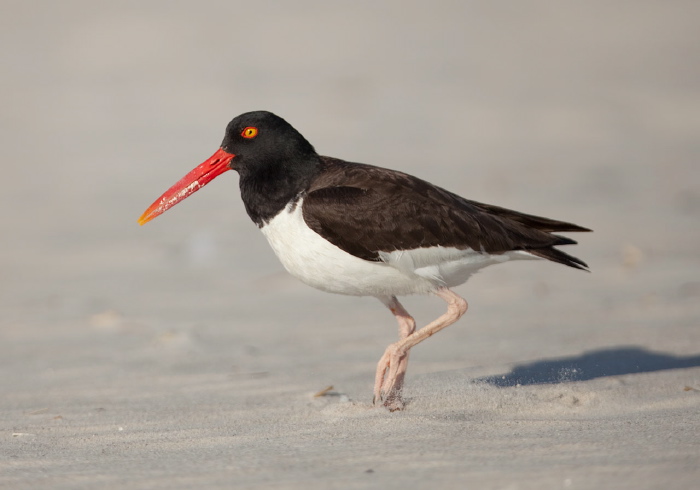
(268, 187)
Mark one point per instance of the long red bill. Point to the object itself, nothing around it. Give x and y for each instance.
(204, 173)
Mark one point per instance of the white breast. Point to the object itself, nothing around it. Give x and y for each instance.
(320, 264)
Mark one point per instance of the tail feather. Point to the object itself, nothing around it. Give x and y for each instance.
(560, 257)
(546, 225)
(529, 220)
(563, 240)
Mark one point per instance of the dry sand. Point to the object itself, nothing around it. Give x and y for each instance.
(180, 355)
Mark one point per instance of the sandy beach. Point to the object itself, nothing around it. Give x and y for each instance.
(181, 355)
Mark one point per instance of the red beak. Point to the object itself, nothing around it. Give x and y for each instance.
(204, 173)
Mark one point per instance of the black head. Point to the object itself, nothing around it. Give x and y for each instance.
(275, 162)
(260, 139)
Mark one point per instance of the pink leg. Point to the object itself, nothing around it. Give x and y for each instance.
(407, 325)
(391, 369)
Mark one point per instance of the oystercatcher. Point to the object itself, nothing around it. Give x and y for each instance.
(357, 229)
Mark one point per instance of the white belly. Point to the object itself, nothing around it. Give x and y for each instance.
(309, 257)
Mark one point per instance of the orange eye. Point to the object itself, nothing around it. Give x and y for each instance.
(249, 132)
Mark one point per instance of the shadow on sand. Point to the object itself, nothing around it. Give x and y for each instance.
(591, 365)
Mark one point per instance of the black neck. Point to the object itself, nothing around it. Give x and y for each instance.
(268, 187)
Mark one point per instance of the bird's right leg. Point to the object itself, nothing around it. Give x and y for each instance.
(407, 325)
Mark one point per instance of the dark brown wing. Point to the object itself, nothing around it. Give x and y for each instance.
(365, 210)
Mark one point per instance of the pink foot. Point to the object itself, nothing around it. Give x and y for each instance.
(388, 383)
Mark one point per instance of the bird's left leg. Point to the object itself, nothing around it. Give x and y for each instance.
(389, 380)
(407, 325)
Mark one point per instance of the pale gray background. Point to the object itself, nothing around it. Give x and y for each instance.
(181, 355)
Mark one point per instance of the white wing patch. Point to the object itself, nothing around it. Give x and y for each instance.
(446, 266)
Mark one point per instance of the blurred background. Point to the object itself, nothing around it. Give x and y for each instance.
(583, 111)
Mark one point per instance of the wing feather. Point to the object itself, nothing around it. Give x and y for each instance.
(367, 210)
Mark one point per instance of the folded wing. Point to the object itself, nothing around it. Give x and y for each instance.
(366, 211)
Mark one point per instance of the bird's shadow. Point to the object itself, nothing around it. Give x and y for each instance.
(595, 364)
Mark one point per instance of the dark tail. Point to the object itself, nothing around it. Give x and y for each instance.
(529, 220)
(544, 245)
(546, 225)
(560, 257)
